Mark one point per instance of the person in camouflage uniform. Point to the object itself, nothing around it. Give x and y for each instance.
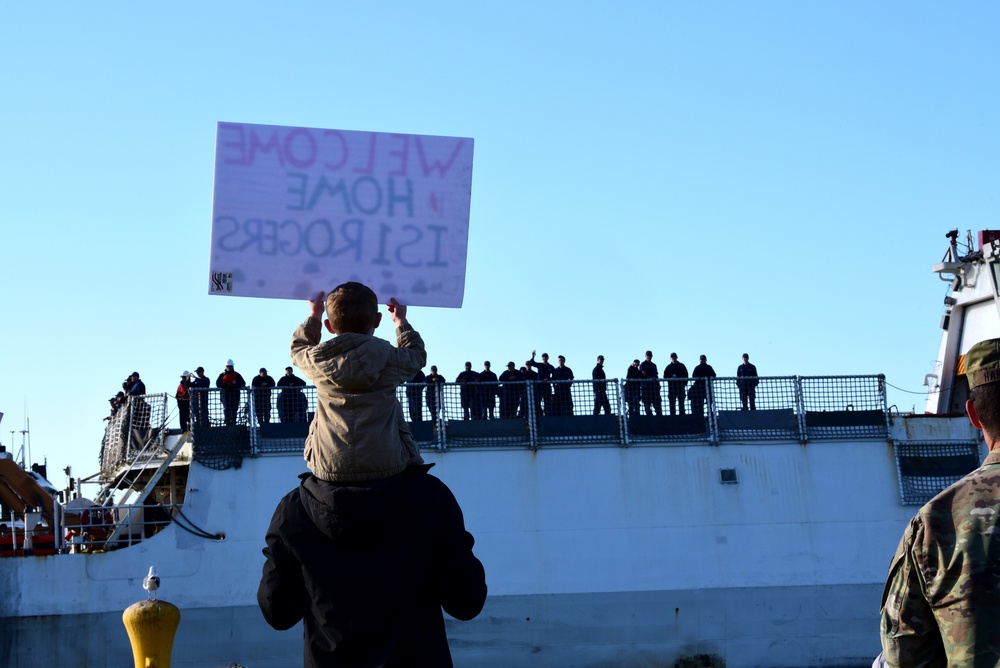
(941, 604)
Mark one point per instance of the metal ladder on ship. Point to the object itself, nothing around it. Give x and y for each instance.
(148, 456)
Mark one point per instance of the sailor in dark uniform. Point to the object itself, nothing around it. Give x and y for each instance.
(562, 396)
(675, 388)
(543, 389)
(600, 388)
(467, 379)
(651, 388)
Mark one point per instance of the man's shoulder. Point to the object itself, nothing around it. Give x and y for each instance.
(977, 489)
(419, 481)
(290, 505)
(971, 506)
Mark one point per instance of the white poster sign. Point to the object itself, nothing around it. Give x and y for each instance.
(299, 210)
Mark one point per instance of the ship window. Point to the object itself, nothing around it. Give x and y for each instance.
(728, 476)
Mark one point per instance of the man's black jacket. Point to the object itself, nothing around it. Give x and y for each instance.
(369, 567)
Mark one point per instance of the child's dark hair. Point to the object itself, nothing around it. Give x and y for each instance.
(352, 307)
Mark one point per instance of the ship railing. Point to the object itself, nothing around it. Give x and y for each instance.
(553, 413)
(138, 425)
(96, 528)
(924, 468)
(107, 528)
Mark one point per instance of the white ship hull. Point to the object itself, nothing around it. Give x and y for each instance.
(595, 556)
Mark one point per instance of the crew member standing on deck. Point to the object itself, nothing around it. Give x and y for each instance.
(200, 383)
(293, 406)
(230, 383)
(562, 395)
(262, 384)
(633, 389)
(746, 381)
(543, 389)
(699, 388)
(183, 397)
(600, 388)
(434, 385)
(414, 396)
(467, 379)
(511, 379)
(651, 388)
(675, 388)
(487, 392)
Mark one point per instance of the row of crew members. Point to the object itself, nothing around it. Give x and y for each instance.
(292, 403)
(479, 402)
(479, 391)
(132, 393)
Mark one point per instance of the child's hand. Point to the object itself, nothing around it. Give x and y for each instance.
(398, 312)
(317, 306)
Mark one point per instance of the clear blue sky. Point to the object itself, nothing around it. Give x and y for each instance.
(726, 177)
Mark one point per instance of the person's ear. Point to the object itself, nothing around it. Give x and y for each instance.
(378, 320)
(329, 327)
(970, 408)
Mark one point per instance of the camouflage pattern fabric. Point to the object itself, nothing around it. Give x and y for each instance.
(941, 604)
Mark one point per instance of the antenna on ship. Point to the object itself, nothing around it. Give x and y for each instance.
(25, 444)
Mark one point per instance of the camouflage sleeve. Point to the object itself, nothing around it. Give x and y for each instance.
(910, 635)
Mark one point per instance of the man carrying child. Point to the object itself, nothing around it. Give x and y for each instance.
(370, 547)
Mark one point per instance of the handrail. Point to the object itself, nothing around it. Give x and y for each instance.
(536, 414)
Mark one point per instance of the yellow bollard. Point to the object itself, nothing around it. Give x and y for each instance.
(151, 626)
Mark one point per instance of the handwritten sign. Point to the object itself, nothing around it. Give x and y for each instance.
(299, 210)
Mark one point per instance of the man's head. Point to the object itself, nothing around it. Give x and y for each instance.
(352, 307)
(468, 366)
(434, 369)
(510, 366)
(545, 357)
(600, 360)
(673, 356)
(649, 355)
(703, 358)
(486, 365)
(200, 371)
(288, 371)
(982, 369)
(562, 360)
(263, 372)
(746, 358)
(635, 363)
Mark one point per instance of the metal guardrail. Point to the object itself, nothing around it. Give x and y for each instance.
(96, 528)
(136, 425)
(924, 468)
(534, 413)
